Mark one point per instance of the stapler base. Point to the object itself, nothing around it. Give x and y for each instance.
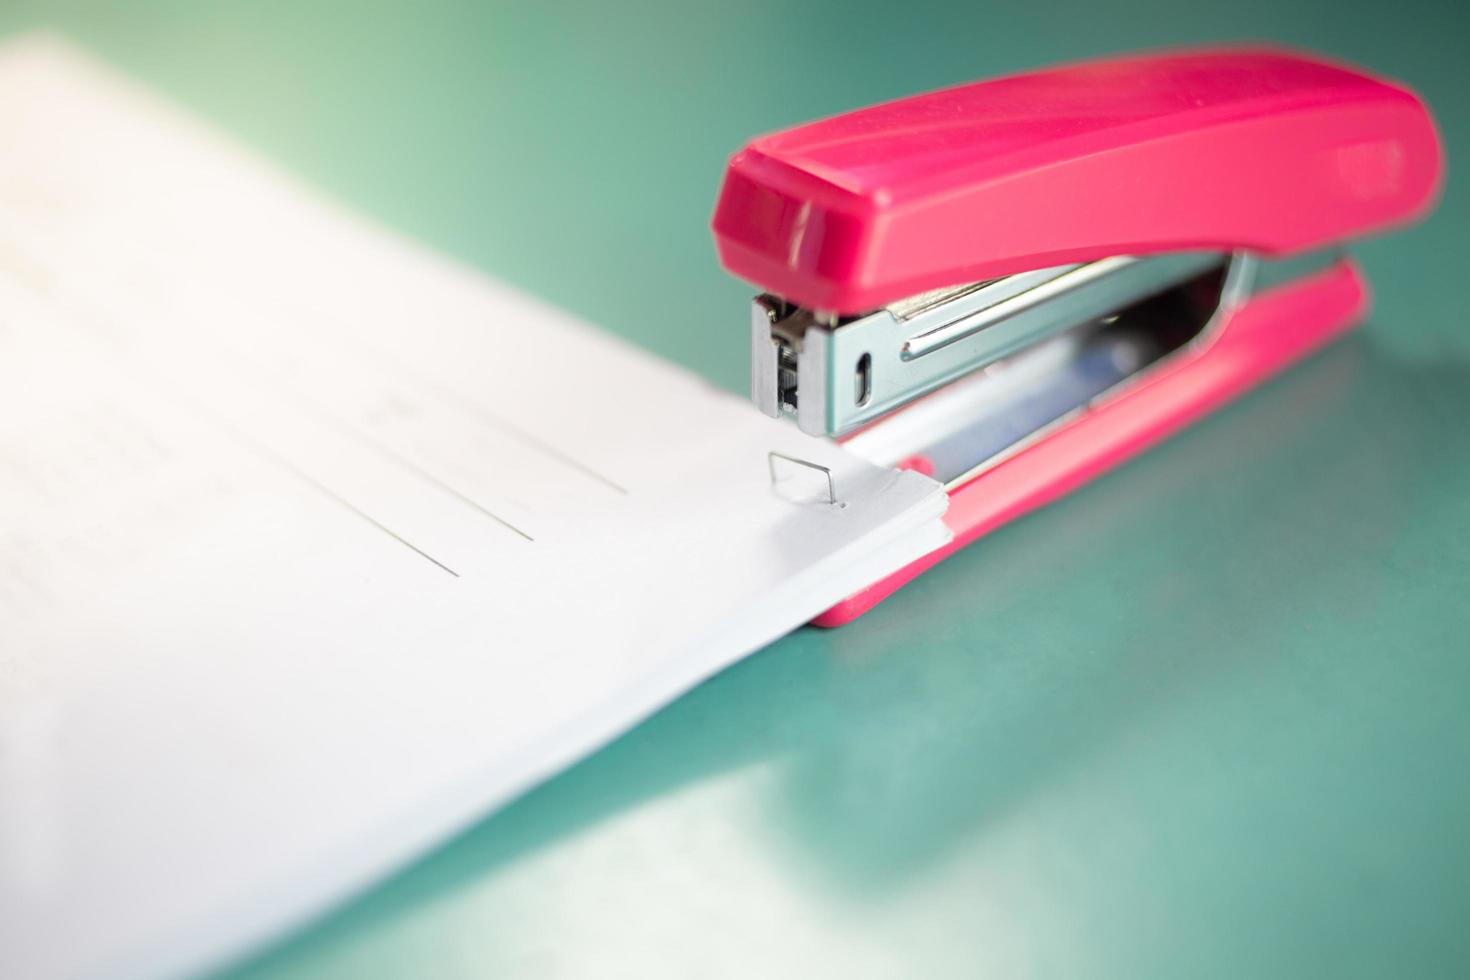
(1255, 340)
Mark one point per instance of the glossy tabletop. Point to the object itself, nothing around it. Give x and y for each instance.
(1209, 716)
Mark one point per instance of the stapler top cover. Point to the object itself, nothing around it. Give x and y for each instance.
(1256, 149)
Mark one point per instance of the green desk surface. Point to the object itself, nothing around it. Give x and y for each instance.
(1206, 717)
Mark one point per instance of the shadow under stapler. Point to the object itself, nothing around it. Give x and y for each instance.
(1009, 665)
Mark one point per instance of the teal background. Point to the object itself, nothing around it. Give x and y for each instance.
(1206, 717)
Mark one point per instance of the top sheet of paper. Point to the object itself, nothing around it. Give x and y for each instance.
(315, 547)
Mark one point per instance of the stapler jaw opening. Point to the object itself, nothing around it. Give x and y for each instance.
(961, 378)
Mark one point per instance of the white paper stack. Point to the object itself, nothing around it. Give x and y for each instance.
(315, 547)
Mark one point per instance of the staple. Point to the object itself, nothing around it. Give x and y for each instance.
(824, 470)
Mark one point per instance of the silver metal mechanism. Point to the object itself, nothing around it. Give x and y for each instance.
(972, 424)
(835, 375)
(1039, 350)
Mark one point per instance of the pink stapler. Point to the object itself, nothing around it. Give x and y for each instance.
(1017, 284)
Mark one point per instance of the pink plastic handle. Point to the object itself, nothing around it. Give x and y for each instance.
(1253, 148)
